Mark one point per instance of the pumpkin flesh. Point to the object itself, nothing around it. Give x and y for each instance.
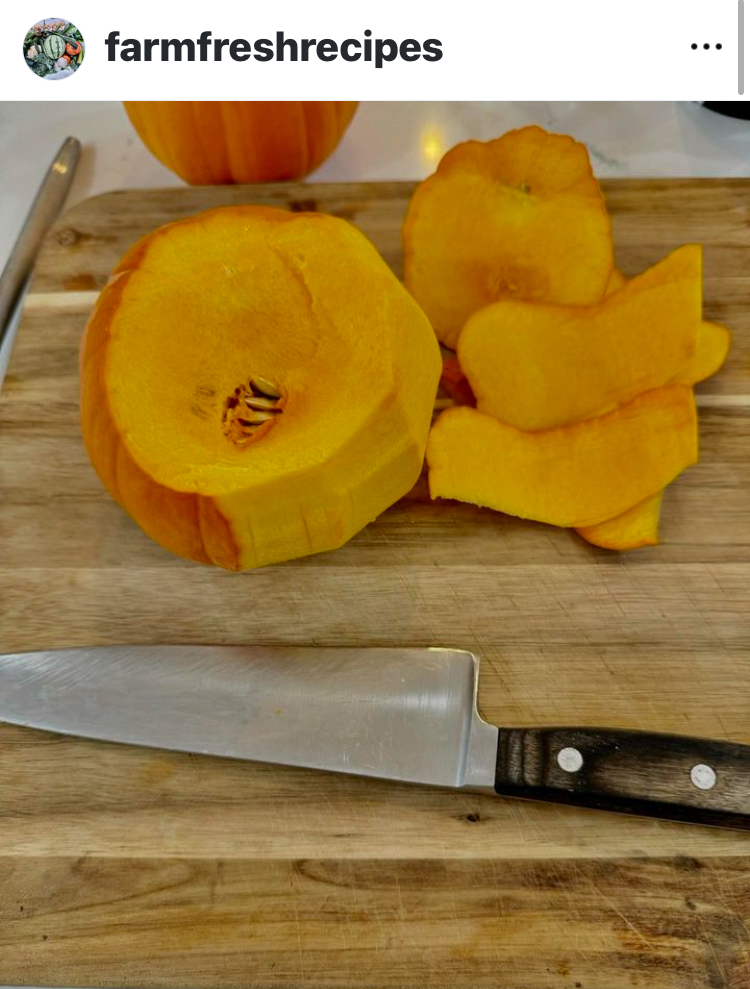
(633, 529)
(540, 366)
(520, 217)
(198, 309)
(639, 526)
(571, 476)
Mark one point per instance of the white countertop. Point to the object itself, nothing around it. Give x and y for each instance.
(385, 141)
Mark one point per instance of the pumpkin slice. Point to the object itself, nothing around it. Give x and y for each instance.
(256, 385)
(540, 366)
(616, 281)
(519, 217)
(637, 527)
(712, 348)
(576, 475)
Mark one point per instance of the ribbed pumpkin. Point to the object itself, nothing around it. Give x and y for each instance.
(212, 143)
(257, 385)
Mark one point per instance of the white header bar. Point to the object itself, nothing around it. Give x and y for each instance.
(395, 49)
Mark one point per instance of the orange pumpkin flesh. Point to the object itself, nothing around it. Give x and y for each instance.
(212, 143)
(198, 309)
(573, 476)
(540, 366)
(639, 526)
(615, 282)
(519, 217)
(563, 387)
(633, 529)
(712, 347)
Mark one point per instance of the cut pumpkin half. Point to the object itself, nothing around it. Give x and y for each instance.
(256, 385)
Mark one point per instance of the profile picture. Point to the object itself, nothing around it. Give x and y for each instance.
(54, 48)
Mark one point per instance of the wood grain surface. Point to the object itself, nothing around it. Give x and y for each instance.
(124, 867)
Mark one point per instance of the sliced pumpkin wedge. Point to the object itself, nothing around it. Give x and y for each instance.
(634, 528)
(576, 475)
(712, 349)
(540, 366)
(519, 217)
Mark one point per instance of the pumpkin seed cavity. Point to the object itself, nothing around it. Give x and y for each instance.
(251, 410)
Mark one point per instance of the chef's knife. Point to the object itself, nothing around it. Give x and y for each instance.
(400, 714)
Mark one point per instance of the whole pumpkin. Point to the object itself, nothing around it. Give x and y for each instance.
(213, 143)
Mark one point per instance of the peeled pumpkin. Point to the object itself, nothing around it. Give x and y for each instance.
(213, 143)
(573, 476)
(520, 217)
(256, 385)
(538, 366)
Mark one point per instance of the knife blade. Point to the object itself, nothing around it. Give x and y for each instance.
(401, 714)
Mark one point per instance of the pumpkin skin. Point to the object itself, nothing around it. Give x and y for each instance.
(540, 366)
(200, 306)
(520, 217)
(573, 476)
(215, 143)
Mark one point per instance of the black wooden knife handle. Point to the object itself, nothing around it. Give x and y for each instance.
(666, 776)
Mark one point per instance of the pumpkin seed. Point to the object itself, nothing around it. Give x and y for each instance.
(256, 418)
(260, 402)
(265, 388)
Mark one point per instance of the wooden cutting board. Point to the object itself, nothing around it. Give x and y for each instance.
(125, 867)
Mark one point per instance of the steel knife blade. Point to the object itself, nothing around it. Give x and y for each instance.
(400, 714)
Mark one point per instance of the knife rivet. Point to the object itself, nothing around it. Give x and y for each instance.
(703, 777)
(569, 759)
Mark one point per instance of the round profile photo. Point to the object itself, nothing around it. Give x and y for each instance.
(54, 48)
